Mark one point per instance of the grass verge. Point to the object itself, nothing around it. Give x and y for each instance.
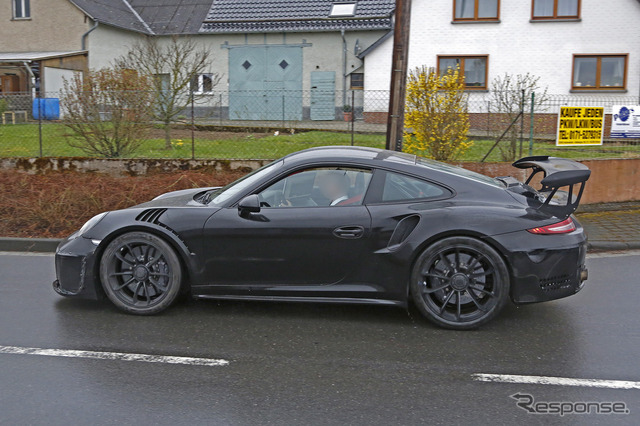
(23, 140)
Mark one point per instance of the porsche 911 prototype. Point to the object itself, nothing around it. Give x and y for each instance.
(344, 225)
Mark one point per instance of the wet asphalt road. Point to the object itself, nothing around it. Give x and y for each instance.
(311, 364)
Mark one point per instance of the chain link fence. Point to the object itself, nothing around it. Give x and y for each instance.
(267, 124)
(521, 123)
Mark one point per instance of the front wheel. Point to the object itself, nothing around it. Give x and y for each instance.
(140, 273)
(460, 283)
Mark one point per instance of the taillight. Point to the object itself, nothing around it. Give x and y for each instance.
(563, 227)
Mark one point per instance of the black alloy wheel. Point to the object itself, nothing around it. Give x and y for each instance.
(140, 273)
(460, 283)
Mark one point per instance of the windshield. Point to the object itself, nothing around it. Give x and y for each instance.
(220, 196)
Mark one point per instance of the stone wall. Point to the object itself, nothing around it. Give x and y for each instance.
(612, 180)
(129, 167)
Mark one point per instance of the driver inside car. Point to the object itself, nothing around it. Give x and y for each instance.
(334, 187)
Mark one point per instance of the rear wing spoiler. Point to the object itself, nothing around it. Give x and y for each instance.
(557, 173)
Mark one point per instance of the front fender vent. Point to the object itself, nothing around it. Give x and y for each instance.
(151, 215)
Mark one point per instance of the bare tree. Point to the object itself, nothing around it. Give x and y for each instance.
(506, 101)
(175, 66)
(108, 111)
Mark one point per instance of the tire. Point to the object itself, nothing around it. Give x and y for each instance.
(140, 273)
(460, 283)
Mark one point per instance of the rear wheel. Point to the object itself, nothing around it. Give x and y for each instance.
(460, 283)
(140, 273)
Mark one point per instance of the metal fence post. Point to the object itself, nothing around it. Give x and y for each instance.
(488, 118)
(283, 111)
(193, 128)
(533, 98)
(521, 123)
(39, 99)
(353, 115)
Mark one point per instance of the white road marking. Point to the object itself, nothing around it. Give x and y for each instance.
(26, 253)
(557, 381)
(114, 356)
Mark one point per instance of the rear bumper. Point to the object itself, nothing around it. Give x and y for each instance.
(75, 269)
(551, 267)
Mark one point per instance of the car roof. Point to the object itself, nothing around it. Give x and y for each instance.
(351, 153)
(386, 159)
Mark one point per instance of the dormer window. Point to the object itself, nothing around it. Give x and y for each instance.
(342, 9)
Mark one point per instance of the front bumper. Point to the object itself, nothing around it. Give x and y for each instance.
(76, 271)
(550, 267)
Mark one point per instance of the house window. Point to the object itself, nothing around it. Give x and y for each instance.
(599, 72)
(9, 83)
(203, 83)
(556, 9)
(21, 9)
(476, 10)
(342, 9)
(162, 81)
(357, 80)
(474, 69)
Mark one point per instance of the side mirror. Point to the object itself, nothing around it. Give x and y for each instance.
(249, 204)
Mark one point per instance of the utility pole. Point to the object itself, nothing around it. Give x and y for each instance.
(399, 64)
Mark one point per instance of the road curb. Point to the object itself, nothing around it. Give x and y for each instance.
(612, 245)
(41, 245)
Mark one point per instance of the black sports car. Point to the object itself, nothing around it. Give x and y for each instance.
(343, 225)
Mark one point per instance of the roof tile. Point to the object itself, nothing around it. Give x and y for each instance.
(294, 15)
(164, 17)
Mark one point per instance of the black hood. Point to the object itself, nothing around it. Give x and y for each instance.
(181, 198)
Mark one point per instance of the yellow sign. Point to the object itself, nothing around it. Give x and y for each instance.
(580, 126)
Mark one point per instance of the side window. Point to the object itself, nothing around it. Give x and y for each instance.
(318, 187)
(556, 9)
(476, 10)
(21, 9)
(399, 187)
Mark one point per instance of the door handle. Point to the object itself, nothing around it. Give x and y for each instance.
(349, 232)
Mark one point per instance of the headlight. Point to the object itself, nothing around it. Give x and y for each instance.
(90, 223)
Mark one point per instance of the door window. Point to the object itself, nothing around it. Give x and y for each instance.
(318, 187)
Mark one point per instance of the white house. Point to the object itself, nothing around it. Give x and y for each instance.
(578, 48)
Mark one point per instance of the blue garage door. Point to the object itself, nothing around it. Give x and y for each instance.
(265, 83)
